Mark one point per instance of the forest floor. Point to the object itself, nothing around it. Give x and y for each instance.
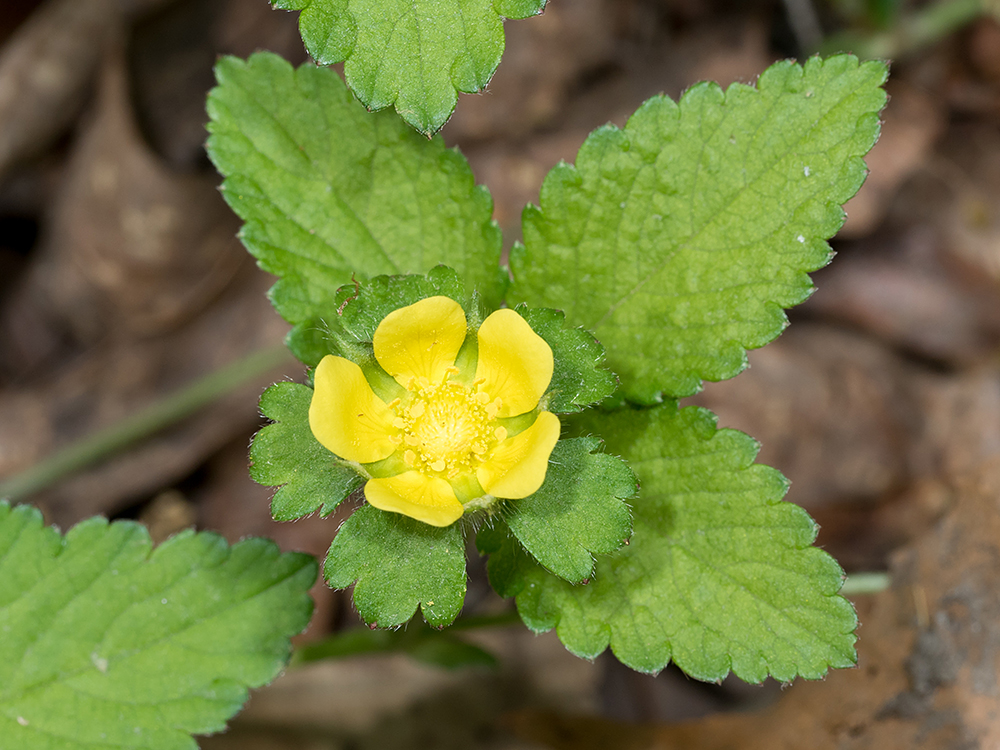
(122, 281)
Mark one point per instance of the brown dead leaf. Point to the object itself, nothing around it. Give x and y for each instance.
(863, 434)
(984, 48)
(929, 282)
(115, 380)
(903, 291)
(14, 14)
(140, 288)
(393, 702)
(138, 247)
(171, 55)
(132, 249)
(969, 167)
(929, 656)
(960, 423)
(45, 73)
(912, 123)
(834, 411)
(544, 57)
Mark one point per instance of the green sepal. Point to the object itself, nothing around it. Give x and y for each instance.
(719, 574)
(330, 192)
(286, 453)
(397, 564)
(416, 55)
(578, 512)
(578, 380)
(366, 305)
(110, 643)
(359, 307)
(679, 239)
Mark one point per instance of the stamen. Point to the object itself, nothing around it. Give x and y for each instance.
(493, 409)
(448, 428)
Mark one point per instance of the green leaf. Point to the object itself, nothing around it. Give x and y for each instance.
(361, 306)
(679, 239)
(398, 563)
(577, 380)
(719, 574)
(330, 192)
(414, 54)
(286, 453)
(110, 644)
(509, 564)
(578, 512)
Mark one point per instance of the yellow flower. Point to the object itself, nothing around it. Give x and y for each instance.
(451, 438)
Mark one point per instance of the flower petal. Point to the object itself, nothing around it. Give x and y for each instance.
(346, 416)
(518, 465)
(514, 361)
(427, 499)
(420, 340)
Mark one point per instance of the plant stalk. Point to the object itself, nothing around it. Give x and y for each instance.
(110, 440)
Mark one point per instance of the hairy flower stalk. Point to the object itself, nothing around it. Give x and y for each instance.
(454, 438)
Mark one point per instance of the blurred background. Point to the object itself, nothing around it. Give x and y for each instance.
(122, 285)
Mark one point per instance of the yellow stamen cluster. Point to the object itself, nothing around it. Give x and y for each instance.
(446, 428)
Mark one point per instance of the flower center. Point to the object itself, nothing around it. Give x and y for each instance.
(447, 428)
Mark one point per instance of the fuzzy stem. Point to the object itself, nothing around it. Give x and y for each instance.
(914, 32)
(108, 441)
(865, 583)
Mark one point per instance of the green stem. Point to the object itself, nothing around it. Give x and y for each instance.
(359, 641)
(865, 583)
(103, 443)
(473, 622)
(912, 33)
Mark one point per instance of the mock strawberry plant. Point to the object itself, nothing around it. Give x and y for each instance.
(532, 410)
(515, 406)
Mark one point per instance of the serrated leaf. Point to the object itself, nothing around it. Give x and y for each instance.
(719, 574)
(398, 563)
(110, 644)
(286, 454)
(330, 192)
(416, 55)
(577, 378)
(578, 512)
(509, 564)
(679, 239)
(360, 307)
